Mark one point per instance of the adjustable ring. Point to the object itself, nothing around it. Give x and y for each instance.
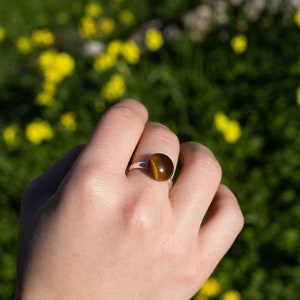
(159, 166)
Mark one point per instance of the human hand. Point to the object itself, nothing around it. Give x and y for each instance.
(88, 230)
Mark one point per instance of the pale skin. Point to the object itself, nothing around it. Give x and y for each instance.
(89, 230)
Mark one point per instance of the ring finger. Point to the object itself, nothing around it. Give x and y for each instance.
(156, 138)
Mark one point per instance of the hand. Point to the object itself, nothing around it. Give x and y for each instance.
(90, 231)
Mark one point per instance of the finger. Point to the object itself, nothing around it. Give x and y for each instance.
(46, 185)
(196, 185)
(219, 230)
(156, 138)
(115, 137)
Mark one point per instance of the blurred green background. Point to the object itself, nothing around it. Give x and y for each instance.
(223, 73)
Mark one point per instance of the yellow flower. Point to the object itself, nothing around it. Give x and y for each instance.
(211, 288)
(24, 45)
(298, 96)
(65, 63)
(104, 62)
(87, 27)
(114, 88)
(11, 135)
(114, 47)
(42, 38)
(105, 26)
(93, 10)
(49, 87)
(45, 98)
(38, 131)
(297, 17)
(131, 52)
(2, 33)
(153, 39)
(68, 121)
(231, 130)
(231, 295)
(126, 17)
(221, 121)
(239, 43)
(56, 66)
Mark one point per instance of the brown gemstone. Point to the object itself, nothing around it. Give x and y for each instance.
(160, 167)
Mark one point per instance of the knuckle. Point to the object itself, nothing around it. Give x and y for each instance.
(236, 219)
(138, 217)
(86, 186)
(213, 167)
(206, 161)
(190, 276)
(125, 115)
(173, 249)
(139, 223)
(165, 135)
(233, 212)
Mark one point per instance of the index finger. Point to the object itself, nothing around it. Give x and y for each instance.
(115, 137)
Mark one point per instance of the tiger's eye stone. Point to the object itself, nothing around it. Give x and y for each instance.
(160, 167)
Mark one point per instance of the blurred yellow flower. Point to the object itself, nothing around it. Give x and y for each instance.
(104, 62)
(114, 88)
(56, 66)
(50, 87)
(221, 121)
(297, 17)
(105, 26)
(153, 39)
(114, 47)
(126, 17)
(38, 131)
(2, 33)
(65, 63)
(87, 27)
(24, 45)
(47, 59)
(42, 38)
(131, 52)
(231, 130)
(11, 135)
(298, 96)
(211, 288)
(68, 121)
(239, 43)
(45, 98)
(231, 295)
(93, 9)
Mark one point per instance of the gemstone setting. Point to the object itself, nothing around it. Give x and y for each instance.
(160, 167)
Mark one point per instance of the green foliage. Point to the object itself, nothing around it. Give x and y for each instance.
(184, 85)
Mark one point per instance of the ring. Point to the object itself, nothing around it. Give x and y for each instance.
(159, 166)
